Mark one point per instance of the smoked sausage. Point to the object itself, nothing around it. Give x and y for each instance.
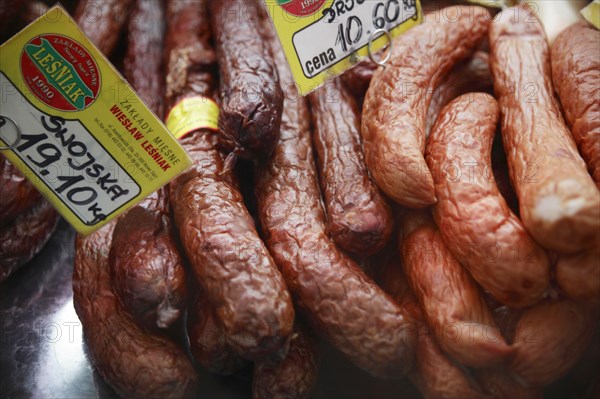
(358, 216)
(395, 107)
(251, 97)
(102, 21)
(473, 218)
(575, 74)
(559, 202)
(135, 363)
(17, 194)
(451, 301)
(237, 274)
(334, 294)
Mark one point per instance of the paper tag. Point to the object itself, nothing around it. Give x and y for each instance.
(323, 38)
(592, 13)
(191, 114)
(87, 141)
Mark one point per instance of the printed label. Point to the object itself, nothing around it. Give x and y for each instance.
(191, 114)
(87, 141)
(324, 44)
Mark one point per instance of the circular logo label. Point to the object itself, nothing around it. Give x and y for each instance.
(60, 72)
(301, 8)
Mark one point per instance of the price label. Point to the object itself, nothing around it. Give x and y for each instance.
(323, 38)
(592, 13)
(76, 129)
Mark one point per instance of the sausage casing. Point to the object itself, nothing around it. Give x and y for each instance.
(559, 202)
(17, 194)
(395, 107)
(575, 74)
(339, 300)
(102, 21)
(137, 364)
(358, 217)
(451, 301)
(473, 218)
(251, 98)
(237, 274)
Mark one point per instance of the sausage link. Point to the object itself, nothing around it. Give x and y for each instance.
(472, 75)
(395, 108)
(293, 377)
(9, 13)
(102, 21)
(232, 264)
(25, 236)
(137, 364)
(576, 73)
(358, 217)
(17, 194)
(147, 269)
(340, 301)
(473, 218)
(549, 339)
(560, 205)
(251, 98)
(208, 343)
(358, 78)
(451, 301)
(578, 276)
(435, 375)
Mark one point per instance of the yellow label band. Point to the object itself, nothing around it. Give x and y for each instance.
(76, 129)
(592, 13)
(323, 38)
(191, 114)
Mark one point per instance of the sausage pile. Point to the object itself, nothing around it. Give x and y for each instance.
(376, 215)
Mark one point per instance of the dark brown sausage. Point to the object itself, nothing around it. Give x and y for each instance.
(435, 375)
(293, 377)
(395, 109)
(137, 364)
(25, 236)
(208, 342)
(147, 269)
(452, 302)
(9, 14)
(500, 385)
(340, 301)
(559, 202)
(575, 74)
(232, 264)
(358, 78)
(251, 98)
(102, 21)
(17, 194)
(473, 218)
(358, 216)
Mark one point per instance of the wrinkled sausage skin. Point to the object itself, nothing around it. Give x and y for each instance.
(25, 236)
(473, 218)
(575, 74)
(559, 202)
(238, 276)
(435, 375)
(102, 21)
(549, 339)
(208, 344)
(135, 363)
(395, 107)
(147, 268)
(251, 98)
(338, 299)
(293, 377)
(358, 216)
(451, 301)
(578, 276)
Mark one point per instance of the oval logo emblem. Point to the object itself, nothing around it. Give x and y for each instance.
(60, 72)
(301, 8)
